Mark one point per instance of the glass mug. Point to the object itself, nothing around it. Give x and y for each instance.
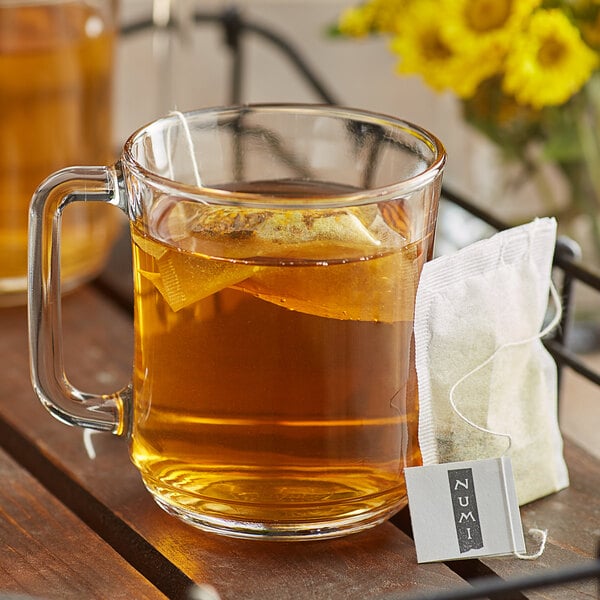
(276, 255)
(56, 64)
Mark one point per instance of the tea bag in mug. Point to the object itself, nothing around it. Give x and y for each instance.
(487, 385)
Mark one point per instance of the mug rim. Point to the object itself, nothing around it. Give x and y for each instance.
(208, 194)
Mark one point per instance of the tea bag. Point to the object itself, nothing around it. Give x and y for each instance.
(371, 264)
(285, 233)
(487, 385)
(343, 285)
(178, 279)
(352, 263)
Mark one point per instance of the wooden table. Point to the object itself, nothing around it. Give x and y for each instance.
(76, 527)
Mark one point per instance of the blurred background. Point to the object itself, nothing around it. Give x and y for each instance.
(190, 68)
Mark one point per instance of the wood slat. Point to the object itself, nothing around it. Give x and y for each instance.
(572, 518)
(46, 551)
(107, 492)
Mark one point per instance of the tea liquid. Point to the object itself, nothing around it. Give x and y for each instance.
(55, 106)
(273, 391)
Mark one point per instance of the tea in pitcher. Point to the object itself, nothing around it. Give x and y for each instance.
(56, 62)
(273, 362)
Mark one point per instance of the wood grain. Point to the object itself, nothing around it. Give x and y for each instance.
(47, 551)
(572, 518)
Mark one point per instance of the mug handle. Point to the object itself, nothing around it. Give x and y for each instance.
(103, 412)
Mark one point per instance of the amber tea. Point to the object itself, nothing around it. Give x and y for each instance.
(273, 372)
(55, 106)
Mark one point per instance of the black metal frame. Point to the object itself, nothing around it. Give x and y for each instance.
(493, 588)
(568, 268)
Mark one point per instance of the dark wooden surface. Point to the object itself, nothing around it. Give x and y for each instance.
(76, 527)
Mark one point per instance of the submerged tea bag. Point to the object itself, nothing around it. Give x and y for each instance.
(487, 385)
(379, 286)
(251, 232)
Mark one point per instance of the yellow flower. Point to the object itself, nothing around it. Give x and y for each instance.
(549, 62)
(486, 25)
(387, 14)
(374, 16)
(355, 22)
(481, 31)
(425, 47)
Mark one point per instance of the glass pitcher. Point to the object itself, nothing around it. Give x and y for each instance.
(56, 67)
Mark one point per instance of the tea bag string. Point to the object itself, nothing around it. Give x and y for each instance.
(88, 443)
(553, 323)
(190, 145)
(539, 534)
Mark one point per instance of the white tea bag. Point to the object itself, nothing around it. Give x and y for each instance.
(487, 385)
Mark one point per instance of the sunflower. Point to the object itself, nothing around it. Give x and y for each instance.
(426, 47)
(549, 62)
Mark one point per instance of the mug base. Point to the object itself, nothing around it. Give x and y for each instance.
(281, 531)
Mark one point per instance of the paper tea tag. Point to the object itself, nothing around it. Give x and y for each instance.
(464, 510)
